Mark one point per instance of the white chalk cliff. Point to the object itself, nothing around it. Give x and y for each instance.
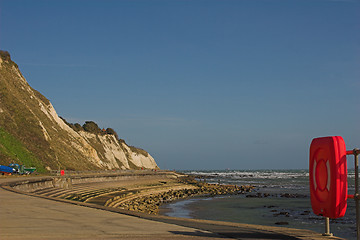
(31, 118)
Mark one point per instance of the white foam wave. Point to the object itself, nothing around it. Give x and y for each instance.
(252, 174)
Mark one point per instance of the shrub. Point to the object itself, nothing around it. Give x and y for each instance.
(112, 132)
(92, 127)
(77, 127)
(139, 151)
(5, 55)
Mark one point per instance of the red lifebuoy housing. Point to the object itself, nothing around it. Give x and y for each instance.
(328, 176)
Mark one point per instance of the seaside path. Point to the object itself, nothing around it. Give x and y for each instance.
(29, 217)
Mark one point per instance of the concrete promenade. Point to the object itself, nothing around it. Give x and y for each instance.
(23, 216)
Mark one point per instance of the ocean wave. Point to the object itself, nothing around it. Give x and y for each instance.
(271, 174)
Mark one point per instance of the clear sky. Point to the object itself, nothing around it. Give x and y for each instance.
(209, 84)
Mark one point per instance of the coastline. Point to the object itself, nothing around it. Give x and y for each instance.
(186, 188)
(280, 198)
(224, 229)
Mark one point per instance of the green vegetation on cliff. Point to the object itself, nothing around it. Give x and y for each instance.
(91, 127)
(13, 151)
(18, 119)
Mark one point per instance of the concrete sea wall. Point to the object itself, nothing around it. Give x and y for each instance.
(38, 183)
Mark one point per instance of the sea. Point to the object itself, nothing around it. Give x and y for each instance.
(284, 201)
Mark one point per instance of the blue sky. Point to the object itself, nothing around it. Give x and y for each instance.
(199, 84)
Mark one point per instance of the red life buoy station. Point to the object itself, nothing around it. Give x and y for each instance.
(328, 179)
(328, 176)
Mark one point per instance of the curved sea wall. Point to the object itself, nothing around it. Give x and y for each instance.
(141, 191)
(32, 185)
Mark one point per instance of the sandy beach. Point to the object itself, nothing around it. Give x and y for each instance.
(49, 213)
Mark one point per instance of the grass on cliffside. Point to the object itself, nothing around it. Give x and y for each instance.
(14, 152)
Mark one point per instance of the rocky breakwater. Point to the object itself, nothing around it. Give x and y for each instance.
(150, 203)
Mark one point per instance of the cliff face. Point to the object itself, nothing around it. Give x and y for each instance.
(32, 133)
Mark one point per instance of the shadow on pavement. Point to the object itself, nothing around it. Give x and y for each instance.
(256, 235)
(197, 234)
(235, 235)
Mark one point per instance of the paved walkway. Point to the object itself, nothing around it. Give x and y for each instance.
(29, 217)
